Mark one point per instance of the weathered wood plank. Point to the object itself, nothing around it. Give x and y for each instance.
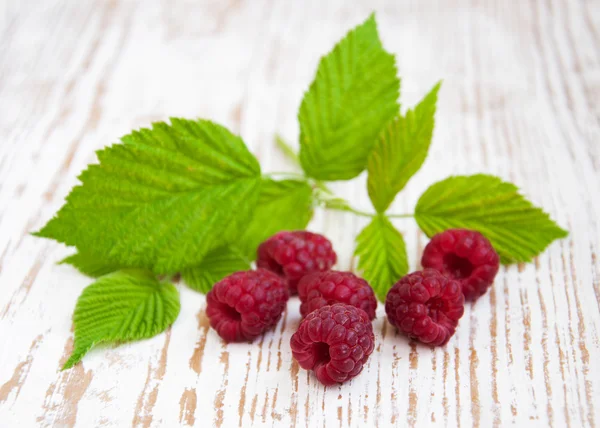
(521, 84)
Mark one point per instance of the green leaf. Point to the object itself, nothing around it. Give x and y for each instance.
(216, 265)
(517, 229)
(121, 307)
(400, 151)
(382, 255)
(90, 265)
(283, 205)
(163, 199)
(354, 95)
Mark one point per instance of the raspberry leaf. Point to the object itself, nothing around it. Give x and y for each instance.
(382, 255)
(121, 307)
(283, 205)
(400, 151)
(353, 96)
(216, 265)
(163, 199)
(516, 228)
(90, 265)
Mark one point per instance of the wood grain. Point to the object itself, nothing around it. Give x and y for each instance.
(519, 100)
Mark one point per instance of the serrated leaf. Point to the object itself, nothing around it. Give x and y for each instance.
(90, 265)
(216, 265)
(283, 205)
(353, 96)
(517, 229)
(382, 255)
(163, 199)
(400, 151)
(121, 307)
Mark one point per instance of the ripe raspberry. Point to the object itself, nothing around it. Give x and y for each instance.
(334, 342)
(320, 289)
(245, 304)
(294, 254)
(426, 306)
(466, 256)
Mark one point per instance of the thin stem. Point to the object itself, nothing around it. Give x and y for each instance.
(345, 206)
(354, 211)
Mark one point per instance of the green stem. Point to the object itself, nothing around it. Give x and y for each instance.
(346, 206)
(291, 154)
(354, 211)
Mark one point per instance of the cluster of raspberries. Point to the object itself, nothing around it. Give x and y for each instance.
(335, 337)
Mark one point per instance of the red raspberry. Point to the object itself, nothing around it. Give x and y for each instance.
(466, 256)
(294, 254)
(245, 304)
(426, 306)
(326, 288)
(334, 342)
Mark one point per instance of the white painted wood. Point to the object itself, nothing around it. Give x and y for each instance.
(520, 100)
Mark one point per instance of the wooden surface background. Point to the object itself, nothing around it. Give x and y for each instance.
(520, 99)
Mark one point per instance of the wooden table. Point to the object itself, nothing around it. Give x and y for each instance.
(519, 100)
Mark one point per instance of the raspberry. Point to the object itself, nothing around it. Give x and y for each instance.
(294, 254)
(466, 256)
(326, 288)
(426, 306)
(245, 304)
(334, 342)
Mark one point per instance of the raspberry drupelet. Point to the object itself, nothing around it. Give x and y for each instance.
(295, 254)
(245, 304)
(320, 289)
(426, 306)
(466, 256)
(334, 342)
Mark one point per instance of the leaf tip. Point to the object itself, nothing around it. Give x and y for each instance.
(561, 233)
(73, 359)
(65, 261)
(381, 296)
(44, 232)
